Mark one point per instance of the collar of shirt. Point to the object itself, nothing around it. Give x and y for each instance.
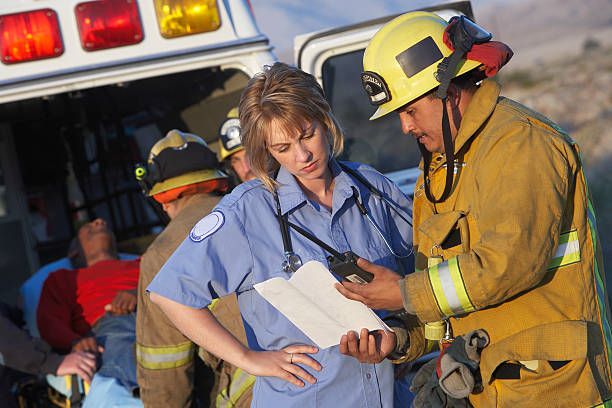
(290, 194)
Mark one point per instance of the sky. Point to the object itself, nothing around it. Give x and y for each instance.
(282, 20)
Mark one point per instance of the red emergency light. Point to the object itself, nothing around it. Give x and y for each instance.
(108, 24)
(30, 36)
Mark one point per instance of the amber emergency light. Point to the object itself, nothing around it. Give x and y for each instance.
(30, 36)
(177, 18)
(108, 24)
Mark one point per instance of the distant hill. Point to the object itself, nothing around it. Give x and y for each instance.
(541, 31)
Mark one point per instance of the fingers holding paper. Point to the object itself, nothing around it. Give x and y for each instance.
(368, 347)
(284, 364)
(383, 292)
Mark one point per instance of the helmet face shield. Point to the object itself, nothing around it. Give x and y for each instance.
(466, 32)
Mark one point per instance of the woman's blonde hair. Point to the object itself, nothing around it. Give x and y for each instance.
(289, 97)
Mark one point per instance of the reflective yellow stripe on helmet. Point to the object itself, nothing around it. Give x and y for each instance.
(159, 358)
(449, 289)
(241, 382)
(568, 251)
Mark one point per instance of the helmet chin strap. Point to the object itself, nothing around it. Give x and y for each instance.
(449, 151)
(463, 34)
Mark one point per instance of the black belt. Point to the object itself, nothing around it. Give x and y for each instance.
(512, 371)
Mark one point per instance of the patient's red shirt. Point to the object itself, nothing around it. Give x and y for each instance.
(73, 300)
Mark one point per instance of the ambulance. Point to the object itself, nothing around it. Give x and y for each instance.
(87, 87)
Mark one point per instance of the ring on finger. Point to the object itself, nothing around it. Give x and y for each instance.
(291, 359)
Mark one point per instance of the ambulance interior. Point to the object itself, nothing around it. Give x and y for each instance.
(69, 158)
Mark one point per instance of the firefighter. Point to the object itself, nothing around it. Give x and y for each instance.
(231, 151)
(183, 176)
(505, 233)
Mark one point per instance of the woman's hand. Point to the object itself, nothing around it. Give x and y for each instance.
(370, 347)
(204, 329)
(283, 364)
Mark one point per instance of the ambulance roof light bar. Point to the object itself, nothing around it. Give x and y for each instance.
(178, 18)
(107, 24)
(30, 36)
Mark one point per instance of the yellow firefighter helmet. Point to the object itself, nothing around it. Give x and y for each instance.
(177, 160)
(401, 60)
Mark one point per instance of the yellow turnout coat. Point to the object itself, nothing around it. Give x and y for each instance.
(514, 251)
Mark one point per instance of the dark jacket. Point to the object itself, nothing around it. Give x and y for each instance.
(20, 351)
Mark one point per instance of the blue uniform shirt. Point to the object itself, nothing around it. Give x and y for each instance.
(239, 244)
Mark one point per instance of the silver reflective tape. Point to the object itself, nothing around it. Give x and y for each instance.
(164, 358)
(449, 288)
(568, 248)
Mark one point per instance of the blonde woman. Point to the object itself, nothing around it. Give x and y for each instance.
(292, 140)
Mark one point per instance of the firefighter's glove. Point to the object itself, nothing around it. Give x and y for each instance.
(428, 393)
(459, 366)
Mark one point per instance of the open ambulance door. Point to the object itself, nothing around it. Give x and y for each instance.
(335, 57)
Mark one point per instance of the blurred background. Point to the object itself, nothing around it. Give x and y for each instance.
(562, 66)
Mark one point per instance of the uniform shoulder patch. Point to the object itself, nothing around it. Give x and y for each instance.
(207, 226)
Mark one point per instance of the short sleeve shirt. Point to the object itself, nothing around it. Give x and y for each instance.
(239, 245)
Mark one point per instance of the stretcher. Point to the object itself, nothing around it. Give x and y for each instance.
(103, 391)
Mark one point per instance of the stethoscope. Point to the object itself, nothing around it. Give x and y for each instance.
(365, 212)
(292, 261)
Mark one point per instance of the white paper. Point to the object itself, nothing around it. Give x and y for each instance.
(311, 302)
